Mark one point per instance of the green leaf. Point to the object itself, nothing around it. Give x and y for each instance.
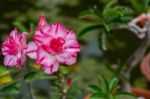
(94, 89)
(124, 95)
(137, 6)
(108, 26)
(91, 11)
(8, 97)
(113, 84)
(104, 84)
(37, 75)
(88, 29)
(11, 89)
(31, 31)
(116, 12)
(65, 69)
(146, 3)
(110, 4)
(20, 26)
(102, 41)
(97, 96)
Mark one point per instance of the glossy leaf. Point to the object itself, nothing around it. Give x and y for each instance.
(91, 11)
(88, 29)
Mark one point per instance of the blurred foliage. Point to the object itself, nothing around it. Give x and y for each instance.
(90, 19)
(107, 90)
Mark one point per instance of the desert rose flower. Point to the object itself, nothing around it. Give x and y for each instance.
(53, 44)
(138, 25)
(14, 49)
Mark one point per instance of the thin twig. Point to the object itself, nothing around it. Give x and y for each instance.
(135, 58)
(31, 92)
(29, 85)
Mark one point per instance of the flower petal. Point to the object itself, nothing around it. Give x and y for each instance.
(51, 69)
(10, 60)
(44, 58)
(71, 42)
(42, 36)
(42, 20)
(58, 30)
(67, 58)
(32, 50)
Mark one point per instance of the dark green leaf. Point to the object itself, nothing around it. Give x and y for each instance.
(88, 29)
(11, 89)
(124, 95)
(108, 26)
(20, 26)
(94, 89)
(110, 4)
(146, 3)
(91, 11)
(100, 40)
(36, 75)
(137, 6)
(97, 96)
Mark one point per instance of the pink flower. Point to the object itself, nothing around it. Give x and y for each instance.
(14, 49)
(54, 44)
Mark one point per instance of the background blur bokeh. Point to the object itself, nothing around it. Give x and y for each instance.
(91, 61)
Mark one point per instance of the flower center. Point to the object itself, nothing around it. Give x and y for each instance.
(56, 44)
(12, 49)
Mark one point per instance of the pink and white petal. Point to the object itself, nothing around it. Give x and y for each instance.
(10, 60)
(42, 20)
(44, 58)
(51, 69)
(41, 39)
(32, 50)
(4, 49)
(21, 58)
(58, 30)
(14, 34)
(71, 36)
(72, 44)
(23, 37)
(67, 58)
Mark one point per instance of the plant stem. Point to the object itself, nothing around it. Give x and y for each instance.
(29, 85)
(63, 90)
(135, 58)
(30, 89)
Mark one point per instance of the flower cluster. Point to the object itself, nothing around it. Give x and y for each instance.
(53, 45)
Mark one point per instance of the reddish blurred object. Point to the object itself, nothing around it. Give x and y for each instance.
(145, 69)
(141, 92)
(69, 81)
